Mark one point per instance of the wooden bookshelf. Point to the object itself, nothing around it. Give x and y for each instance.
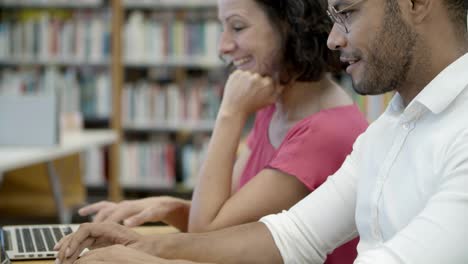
(115, 190)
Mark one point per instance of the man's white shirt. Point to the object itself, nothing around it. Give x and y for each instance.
(403, 189)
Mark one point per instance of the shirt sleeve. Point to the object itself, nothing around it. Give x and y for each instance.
(319, 223)
(439, 233)
(313, 152)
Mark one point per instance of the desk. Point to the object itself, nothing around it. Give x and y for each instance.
(142, 230)
(18, 157)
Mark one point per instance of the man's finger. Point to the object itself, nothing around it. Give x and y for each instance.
(74, 256)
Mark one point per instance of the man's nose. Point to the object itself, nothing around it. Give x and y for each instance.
(336, 38)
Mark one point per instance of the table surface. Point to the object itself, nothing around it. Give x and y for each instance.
(18, 157)
(147, 230)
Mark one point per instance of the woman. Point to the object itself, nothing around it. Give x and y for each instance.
(305, 123)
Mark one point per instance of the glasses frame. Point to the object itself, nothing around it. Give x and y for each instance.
(335, 14)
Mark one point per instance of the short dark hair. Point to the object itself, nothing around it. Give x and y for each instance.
(457, 10)
(304, 27)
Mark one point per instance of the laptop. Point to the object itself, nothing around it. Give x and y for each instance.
(3, 257)
(25, 242)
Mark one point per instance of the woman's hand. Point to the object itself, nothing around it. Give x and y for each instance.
(173, 211)
(247, 92)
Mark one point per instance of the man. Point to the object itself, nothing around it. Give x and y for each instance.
(404, 188)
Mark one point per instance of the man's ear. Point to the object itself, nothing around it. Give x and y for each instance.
(418, 10)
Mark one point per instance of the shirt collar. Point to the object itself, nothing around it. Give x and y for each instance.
(445, 87)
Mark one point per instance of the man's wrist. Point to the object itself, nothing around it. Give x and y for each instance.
(166, 246)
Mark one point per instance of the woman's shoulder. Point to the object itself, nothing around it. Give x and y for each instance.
(331, 122)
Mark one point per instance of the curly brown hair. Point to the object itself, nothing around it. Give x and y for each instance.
(304, 27)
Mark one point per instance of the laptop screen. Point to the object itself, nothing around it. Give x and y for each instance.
(3, 257)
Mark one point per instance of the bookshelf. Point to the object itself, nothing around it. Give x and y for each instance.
(100, 48)
(69, 47)
(171, 92)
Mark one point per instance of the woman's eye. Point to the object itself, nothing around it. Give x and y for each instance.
(238, 27)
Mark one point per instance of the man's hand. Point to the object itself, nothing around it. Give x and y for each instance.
(119, 254)
(93, 236)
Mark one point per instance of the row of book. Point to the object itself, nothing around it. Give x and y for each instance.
(94, 167)
(170, 3)
(148, 164)
(191, 158)
(49, 2)
(80, 89)
(51, 35)
(163, 35)
(99, 2)
(371, 105)
(152, 164)
(153, 103)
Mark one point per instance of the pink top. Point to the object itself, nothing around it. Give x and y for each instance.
(313, 149)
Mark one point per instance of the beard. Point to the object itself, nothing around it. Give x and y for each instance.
(391, 55)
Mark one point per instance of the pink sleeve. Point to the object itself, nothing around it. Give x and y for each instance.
(312, 153)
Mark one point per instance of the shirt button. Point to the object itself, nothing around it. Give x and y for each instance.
(406, 126)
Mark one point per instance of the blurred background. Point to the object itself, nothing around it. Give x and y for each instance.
(135, 85)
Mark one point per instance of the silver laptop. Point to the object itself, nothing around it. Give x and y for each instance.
(3, 257)
(33, 241)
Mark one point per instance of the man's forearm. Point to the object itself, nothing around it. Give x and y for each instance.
(249, 243)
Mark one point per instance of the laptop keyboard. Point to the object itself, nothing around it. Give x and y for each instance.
(44, 238)
(7, 240)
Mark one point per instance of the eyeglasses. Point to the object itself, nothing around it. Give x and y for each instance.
(339, 17)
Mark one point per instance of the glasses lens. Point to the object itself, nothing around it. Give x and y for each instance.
(337, 18)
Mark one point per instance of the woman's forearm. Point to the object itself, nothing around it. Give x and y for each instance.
(214, 186)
